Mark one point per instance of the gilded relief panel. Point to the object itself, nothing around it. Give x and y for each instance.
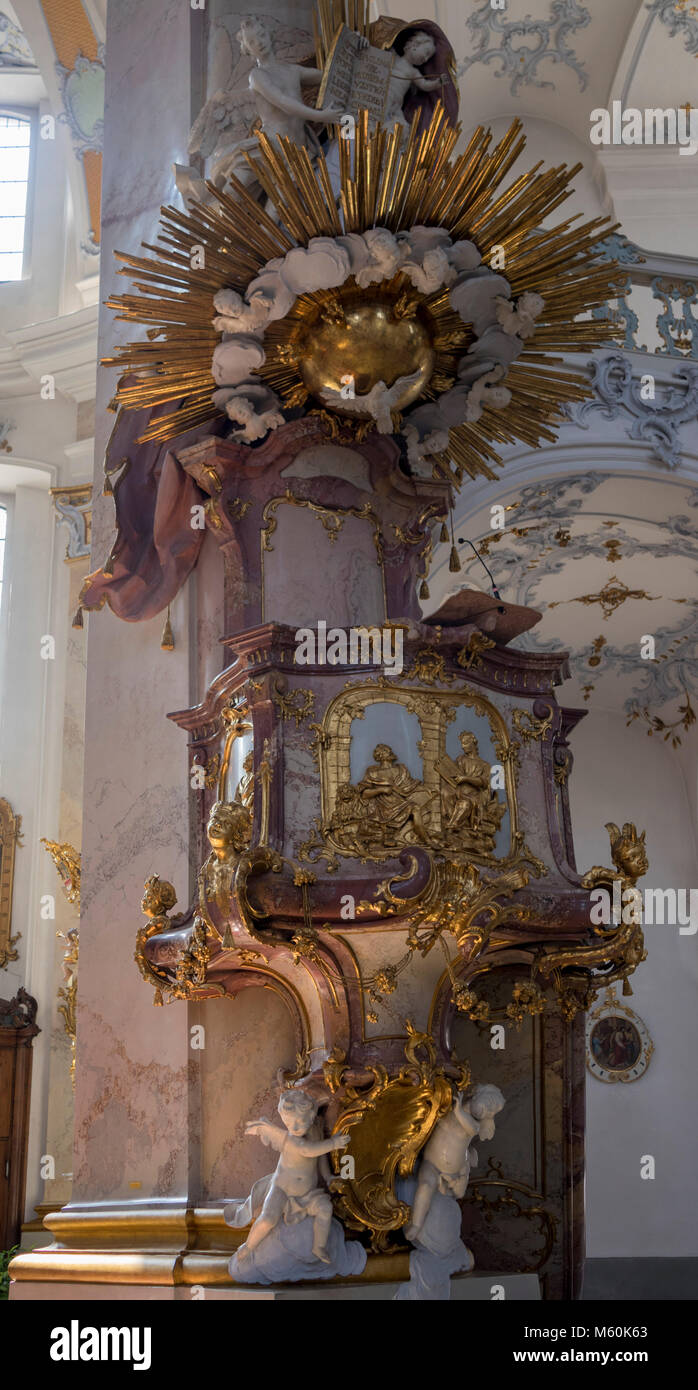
(404, 767)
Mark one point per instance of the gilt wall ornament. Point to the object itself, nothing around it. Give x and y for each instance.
(68, 867)
(10, 837)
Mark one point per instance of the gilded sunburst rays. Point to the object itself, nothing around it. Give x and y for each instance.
(382, 184)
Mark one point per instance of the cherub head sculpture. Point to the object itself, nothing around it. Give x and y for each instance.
(486, 1102)
(159, 897)
(229, 828)
(254, 38)
(418, 48)
(628, 850)
(297, 1110)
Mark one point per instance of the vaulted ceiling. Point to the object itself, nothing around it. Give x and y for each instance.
(611, 563)
(608, 556)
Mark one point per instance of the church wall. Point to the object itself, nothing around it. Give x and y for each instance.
(658, 1114)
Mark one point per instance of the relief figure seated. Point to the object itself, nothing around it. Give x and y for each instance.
(384, 810)
(472, 811)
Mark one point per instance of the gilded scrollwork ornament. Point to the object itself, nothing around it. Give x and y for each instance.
(68, 867)
(457, 899)
(294, 704)
(429, 666)
(159, 898)
(578, 972)
(529, 727)
(470, 656)
(527, 1001)
(519, 1201)
(389, 1120)
(191, 969)
(67, 862)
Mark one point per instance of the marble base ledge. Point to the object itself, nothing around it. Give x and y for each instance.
(466, 1288)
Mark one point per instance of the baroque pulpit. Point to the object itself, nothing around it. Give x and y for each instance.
(383, 935)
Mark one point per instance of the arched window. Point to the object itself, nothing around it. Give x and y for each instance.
(15, 144)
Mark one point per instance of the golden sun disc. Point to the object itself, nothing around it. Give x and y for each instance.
(369, 343)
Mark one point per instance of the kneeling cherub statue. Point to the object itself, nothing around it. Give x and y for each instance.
(293, 1234)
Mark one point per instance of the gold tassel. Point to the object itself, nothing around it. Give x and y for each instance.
(157, 999)
(167, 641)
(107, 490)
(454, 564)
(108, 566)
(228, 939)
(424, 589)
(77, 620)
(627, 987)
(443, 534)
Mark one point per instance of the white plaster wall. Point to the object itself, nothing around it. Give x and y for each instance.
(619, 775)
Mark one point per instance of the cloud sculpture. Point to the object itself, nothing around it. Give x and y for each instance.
(324, 265)
(236, 359)
(430, 261)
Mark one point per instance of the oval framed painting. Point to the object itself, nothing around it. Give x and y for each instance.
(619, 1046)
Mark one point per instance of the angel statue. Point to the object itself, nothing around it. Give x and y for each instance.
(423, 72)
(293, 1234)
(442, 1179)
(406, 76)
(276, 92)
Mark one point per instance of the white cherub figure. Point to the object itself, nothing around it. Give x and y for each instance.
(293, 1192)
(520, 319)
(434, 271)
(385, 255)
(234, 315)
(255, 424)
(448, 1158)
